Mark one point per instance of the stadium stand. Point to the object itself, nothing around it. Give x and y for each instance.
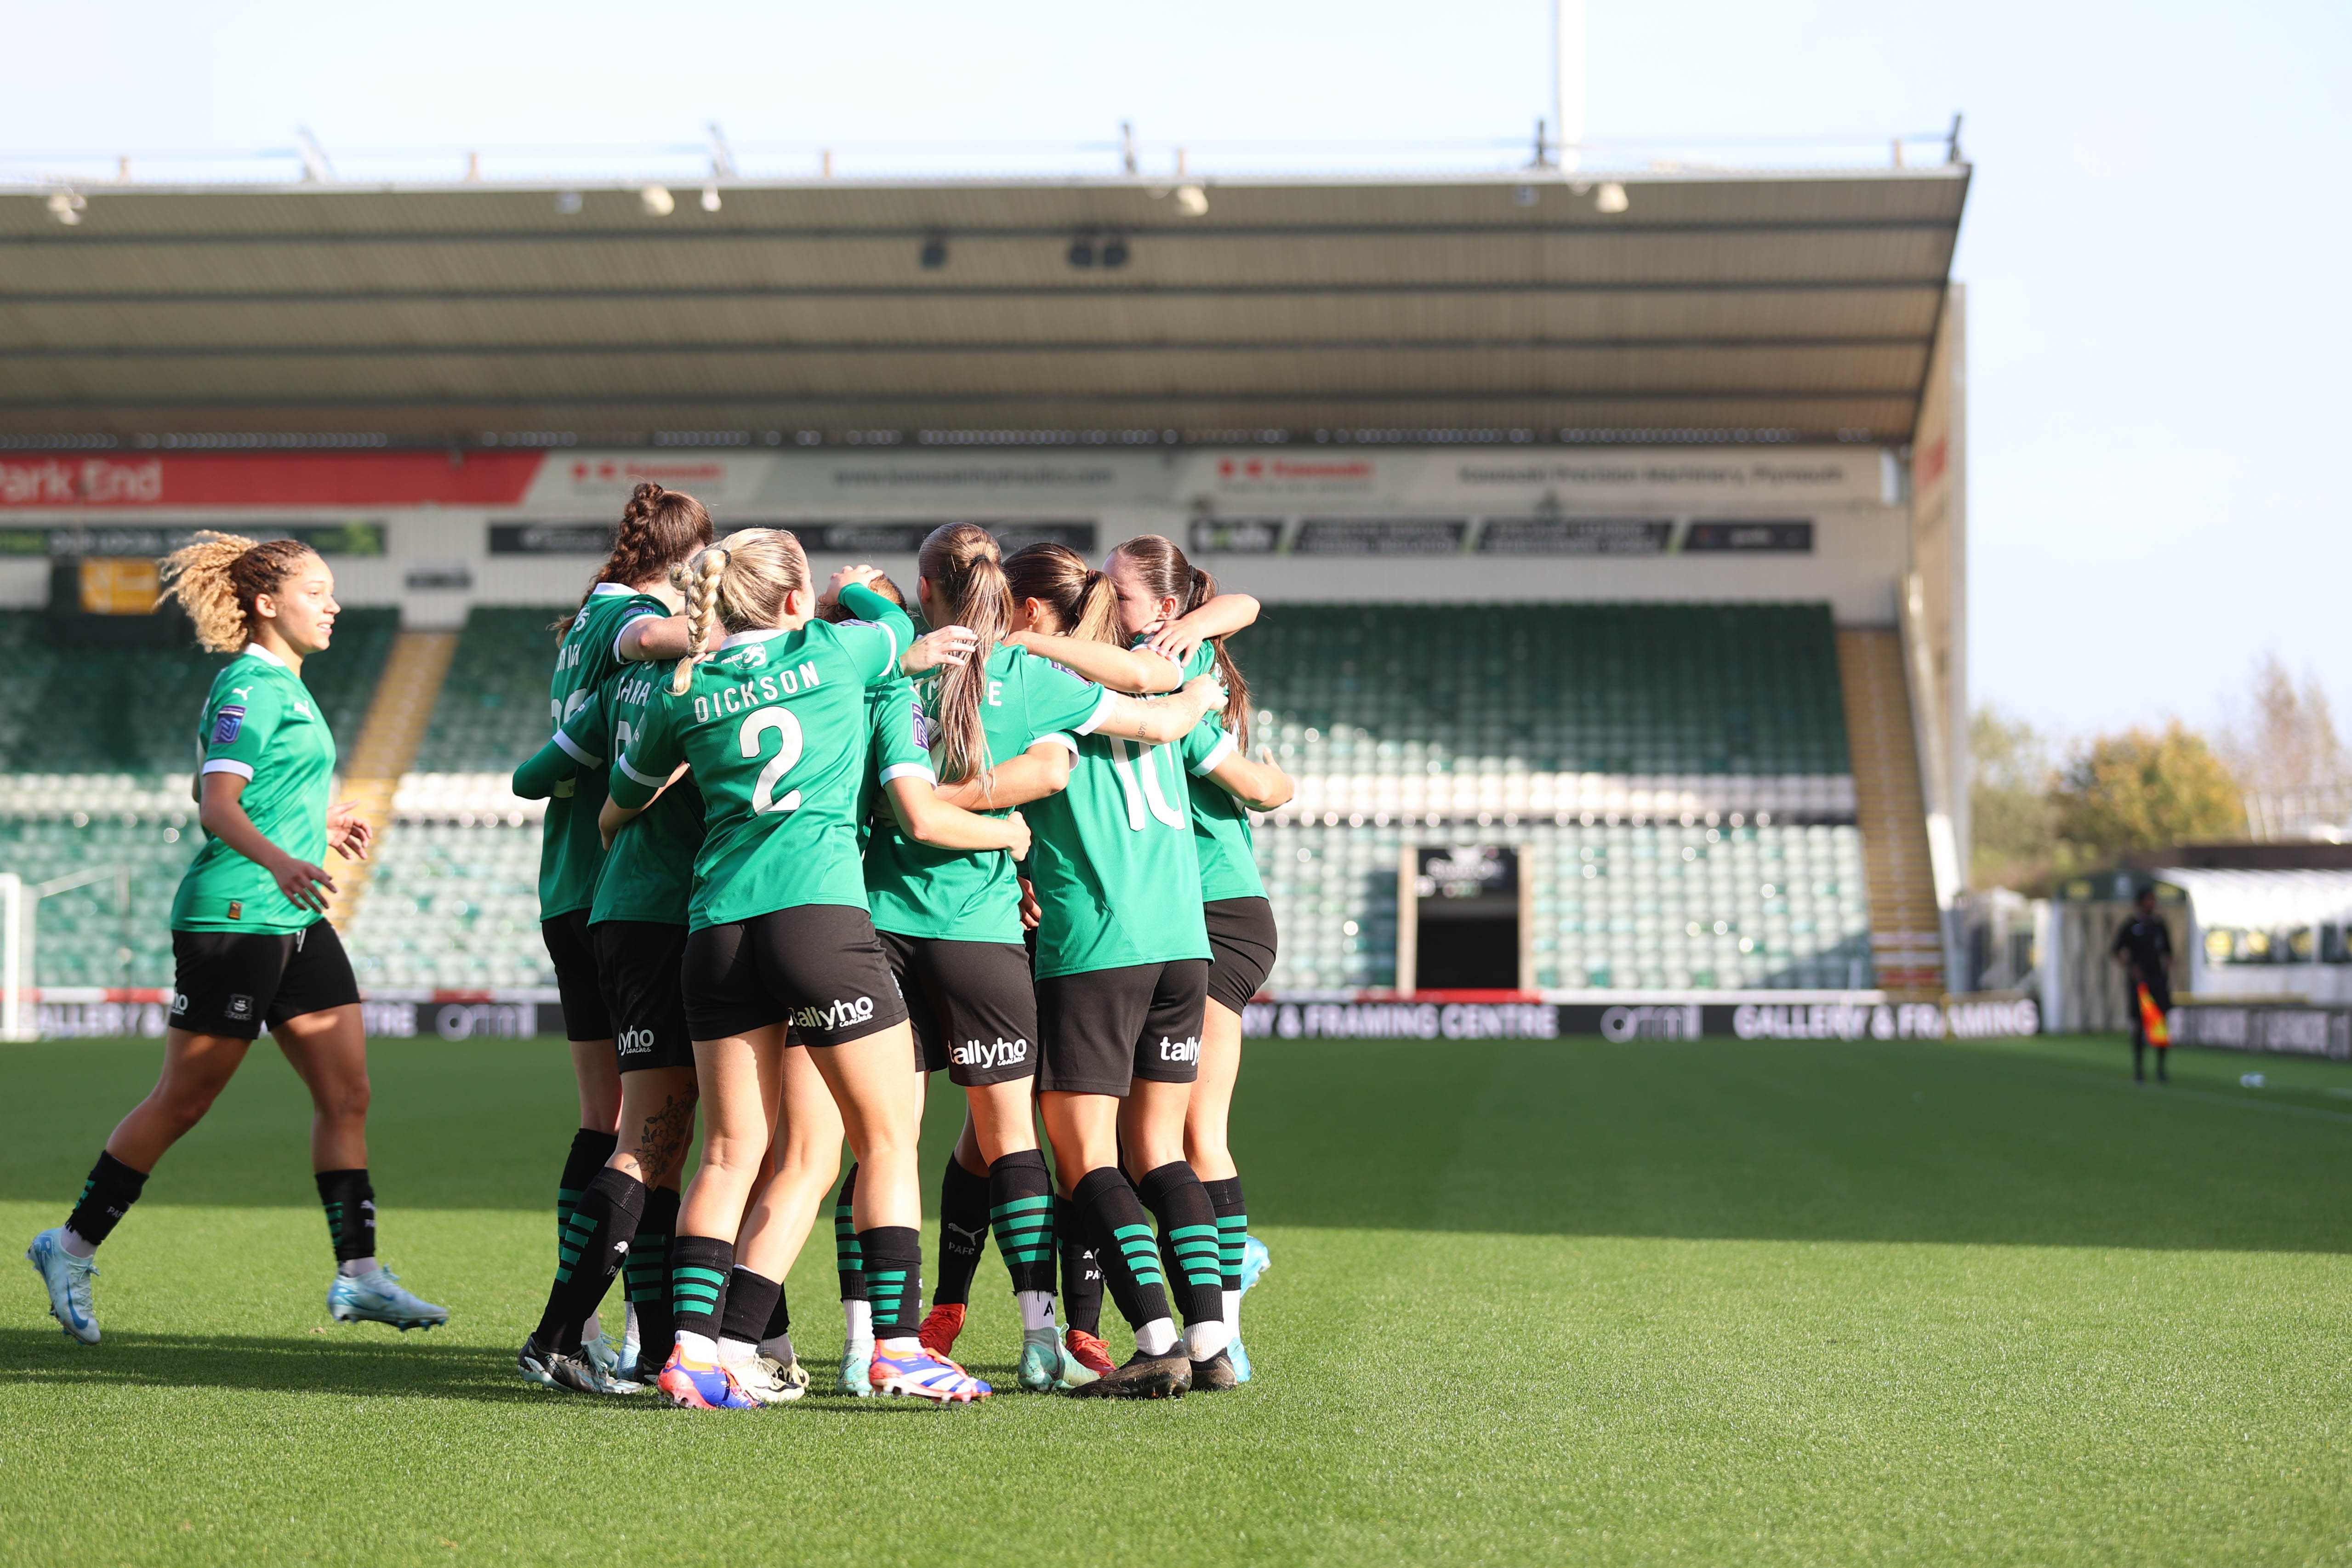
(493, 709)
(1660, 767)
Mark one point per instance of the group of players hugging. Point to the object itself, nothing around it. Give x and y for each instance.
(797, 856)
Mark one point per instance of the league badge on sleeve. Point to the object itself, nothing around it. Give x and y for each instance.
(227, 722)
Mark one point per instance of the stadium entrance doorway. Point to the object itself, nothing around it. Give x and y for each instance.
(1466, 917)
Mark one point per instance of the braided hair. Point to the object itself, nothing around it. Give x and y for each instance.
(659, 528)
(740, 585)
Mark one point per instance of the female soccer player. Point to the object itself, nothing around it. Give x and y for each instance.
(1122, 974)
(951, 923)
(774, 726)
(627, 616)
(1159, 595)
(249, 943)
(637, 924)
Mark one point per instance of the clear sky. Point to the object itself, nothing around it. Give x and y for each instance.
(2155, 248)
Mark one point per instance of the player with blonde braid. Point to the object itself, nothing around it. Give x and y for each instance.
(773, 723)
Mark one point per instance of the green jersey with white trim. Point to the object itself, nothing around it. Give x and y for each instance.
(888, 708)
(571, 848)
(262, 724)
(917, 891)
(648, 874)
(1221, 825)
(1118, 879)
(775, 729)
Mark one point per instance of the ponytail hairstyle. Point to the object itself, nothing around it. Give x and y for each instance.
(738, 586)
(1058, 576)
(217, 578)
(966, 573)
(660, 529)
(880, 584)
(1163, 571)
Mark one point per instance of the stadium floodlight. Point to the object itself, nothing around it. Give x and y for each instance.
(1191, 200)
(1611, 197)
(316, 170)
(934, 254)
(1082, 251)
(1114, 252)
(657, 201)
(65, 207)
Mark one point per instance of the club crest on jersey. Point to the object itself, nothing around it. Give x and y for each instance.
(1187, 1050)
(1004, 1053)
(834, 1015)
(227, 722)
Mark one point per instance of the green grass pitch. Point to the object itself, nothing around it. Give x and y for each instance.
(1542, 1302)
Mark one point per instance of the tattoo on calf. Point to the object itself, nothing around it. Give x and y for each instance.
(664, 1136)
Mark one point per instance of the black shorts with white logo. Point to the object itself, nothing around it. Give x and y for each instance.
(1241, 948)
(637, 964)
(818, 967)
(973, 1006)
(1104, 1028)
(571, 947)
(233, 983)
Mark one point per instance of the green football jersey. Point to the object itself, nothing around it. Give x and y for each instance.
(1118, 879)
(648, 874)
(916, 891)
(1221, 825)
(571, 849)
(775, 729)
(891, 717)
(261, 723)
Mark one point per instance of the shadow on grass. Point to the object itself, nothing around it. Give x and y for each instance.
(411, 1367)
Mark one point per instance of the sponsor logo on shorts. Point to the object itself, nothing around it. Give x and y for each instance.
(836, 1015)
(1186, 1050)
(1004, 1053)
(179, 1003)
(240, 1005)
(635, 1042)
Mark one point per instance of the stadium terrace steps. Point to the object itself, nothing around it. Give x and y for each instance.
(1906, 936)
(405, 695)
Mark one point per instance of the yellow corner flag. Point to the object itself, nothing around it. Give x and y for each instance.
(2151, 1021)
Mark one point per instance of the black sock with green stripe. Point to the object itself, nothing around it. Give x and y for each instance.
(1082, 1275)
(1188, 1225)
(350, 1204)
(893, 1258)
(698, 1268)
(648, 1277)
(106, 1197)
(595, 1242)
(1233, 1226)
(1021, 1210)
(1128, 1255)
(845, 1241)
(963, 1231)
(589, 1150)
